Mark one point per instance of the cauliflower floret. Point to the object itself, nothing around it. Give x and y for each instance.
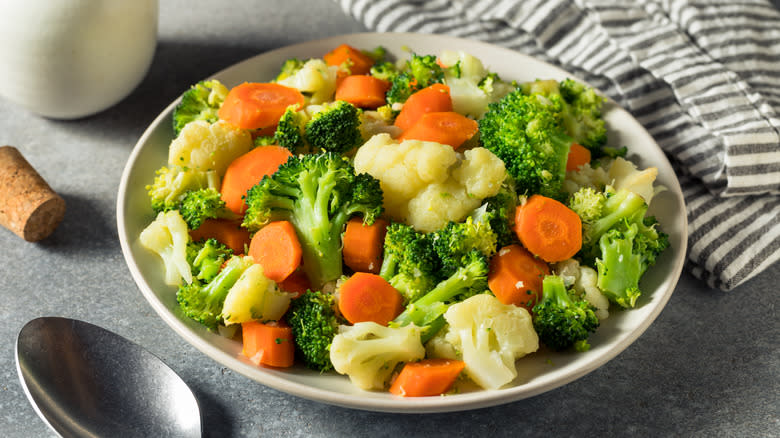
(427, 184)
(584, 281)
(587, 176)
(168, 236)
(205, 146)
(625, 175)
(315, 79)
(489, 337)
(368, 352)
(254, 296)
(472, 87)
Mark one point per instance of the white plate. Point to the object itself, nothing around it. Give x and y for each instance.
(538, 373)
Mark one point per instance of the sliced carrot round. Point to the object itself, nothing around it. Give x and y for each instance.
(246, 171)
(368, 297)
(257, 105)
(515, 276)
(277, 249)
(548, 228)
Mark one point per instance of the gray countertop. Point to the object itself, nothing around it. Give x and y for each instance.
(708, 366)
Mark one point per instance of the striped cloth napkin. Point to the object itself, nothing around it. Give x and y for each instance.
(702, 76)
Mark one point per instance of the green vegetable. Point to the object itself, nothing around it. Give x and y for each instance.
(317, 193)
(419, 72)
(203, 301)
(561, 319)
(289, 68)
(410, 262)
(456, 240)
(336, 128)
(619, 239)
(314, 323)
(206, 258)
(524, 131)
(198, 205)
(171, 185)
(290, 130)
(426, 312)
(200, 102)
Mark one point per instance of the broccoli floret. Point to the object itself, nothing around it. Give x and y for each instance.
(369, 353)
(582, 115)
(290, 130)
(499, 212)
(198, 205)
(378, 53)
(561, 319)
(468, 280)
(203, 301)
(289, 68)
(618, 239)
(418, 72)
(336, 128)
(410, 263)
(171, 184)
(206, 257)
(201, 102)
(627, 250)
(386, 71)
(525, 133)
(314, 323)
(317, 193)
(456, 240)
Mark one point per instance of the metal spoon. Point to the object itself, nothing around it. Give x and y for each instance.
(84, 380)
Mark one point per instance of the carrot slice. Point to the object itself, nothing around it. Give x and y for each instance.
(442, 127)
(257, 105)
(296, 283)
(435, 98)
(427, 377)
(246, 171)
(277, 249)
(268, 343)
(515, 276)
(350, 58)
(229, 233)
(364, 245)
(548, 228)
(578, 155)
(368, 297)
(363, 91)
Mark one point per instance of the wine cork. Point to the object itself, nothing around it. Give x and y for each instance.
(28, 206)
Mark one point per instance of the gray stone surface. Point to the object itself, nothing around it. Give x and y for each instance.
(708, 366)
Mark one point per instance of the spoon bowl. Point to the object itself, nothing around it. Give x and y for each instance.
(84, 380)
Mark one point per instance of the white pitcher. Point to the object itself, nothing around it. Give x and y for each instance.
(66, 59)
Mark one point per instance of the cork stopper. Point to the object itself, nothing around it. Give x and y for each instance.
(28, 206)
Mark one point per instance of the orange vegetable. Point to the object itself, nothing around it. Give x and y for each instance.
(256, 105)
(368, 297)
(352, 59)
(515, 276)
(548, 228)
(277, 249)
(269, 343)
(246, 171)
(362, 91)
(229, 233)
(446, 127)
(435, 98)
(364, 245)
(427, 377)
(578, 155)
(296, 283)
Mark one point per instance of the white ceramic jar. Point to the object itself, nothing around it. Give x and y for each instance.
(66, 59)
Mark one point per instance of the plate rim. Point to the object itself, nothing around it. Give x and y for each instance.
(458, 402)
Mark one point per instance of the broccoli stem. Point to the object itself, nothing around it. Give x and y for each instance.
(622, 205)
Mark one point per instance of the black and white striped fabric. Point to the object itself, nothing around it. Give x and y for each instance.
(702, 76)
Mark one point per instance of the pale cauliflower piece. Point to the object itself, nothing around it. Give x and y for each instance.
(209, 146)
(167, 236)
(595, 177)
(584, 281)
(254, 296)
(625, 175)
(315, 79)
(368, 352)
(467, 95)
(427, 184)
(489, 337)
